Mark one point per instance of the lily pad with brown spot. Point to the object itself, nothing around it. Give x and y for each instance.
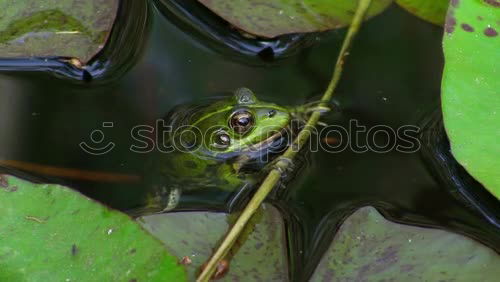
(368, 247)
(269, 19)
(55, 28)
(471, 88)
(52, 233)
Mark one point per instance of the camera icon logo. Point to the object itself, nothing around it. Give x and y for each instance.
(98, 146)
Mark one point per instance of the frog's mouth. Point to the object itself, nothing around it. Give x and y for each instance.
(271, 143)
(255, 157)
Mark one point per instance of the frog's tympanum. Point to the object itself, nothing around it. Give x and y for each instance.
(227, 144)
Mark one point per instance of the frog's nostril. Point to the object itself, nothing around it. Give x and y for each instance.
(271, 113)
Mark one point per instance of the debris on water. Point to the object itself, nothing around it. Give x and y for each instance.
(220, 271)
(186, 260)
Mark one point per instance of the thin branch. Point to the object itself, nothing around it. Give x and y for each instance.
(69, 173)
(274, 176)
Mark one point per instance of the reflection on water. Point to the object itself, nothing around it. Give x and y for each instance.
(197, 20)
(392, 78)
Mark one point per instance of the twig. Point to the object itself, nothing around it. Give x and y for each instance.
(70, 173)
(35, 219)
(274, 176)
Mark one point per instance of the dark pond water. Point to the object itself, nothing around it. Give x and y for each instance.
(392, 78)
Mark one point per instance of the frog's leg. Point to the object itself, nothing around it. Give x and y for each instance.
(240, 162)
(160, 201)
(173, 200)
(163, 199)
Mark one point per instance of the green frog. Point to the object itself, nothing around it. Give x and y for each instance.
(227, 144)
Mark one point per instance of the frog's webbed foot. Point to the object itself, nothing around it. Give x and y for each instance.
(283, 165)
(303, 112)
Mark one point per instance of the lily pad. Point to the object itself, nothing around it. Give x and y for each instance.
(471, 88)
(433, 11)
(269, 19)
(259, 255)
(49, 28)
(368, 247)
(52, 233)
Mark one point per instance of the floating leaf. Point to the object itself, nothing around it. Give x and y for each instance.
(471, 88)
(368, 247)
(433, 11)
(260, 255)
(64, 28)
(272, 18)
(52, 233)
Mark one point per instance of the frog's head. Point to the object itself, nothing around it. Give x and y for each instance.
(239, 123)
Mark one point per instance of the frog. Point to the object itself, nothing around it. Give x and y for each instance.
(226, 144)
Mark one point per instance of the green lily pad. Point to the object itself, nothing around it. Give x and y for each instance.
(62, 28)
(471, 88)
(259, 255)
(269, 19)
(368, 247)
(52, 233)
(433, 11)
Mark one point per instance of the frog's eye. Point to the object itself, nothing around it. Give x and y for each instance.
(241, 121)
(222, 140)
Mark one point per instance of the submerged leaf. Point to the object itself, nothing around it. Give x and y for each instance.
(63, 28)
(368, 247)
(52, 233)
(272, 18)
(471, 88)
(259, 255)
(433, 11)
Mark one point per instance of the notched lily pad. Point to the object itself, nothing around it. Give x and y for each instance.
(55, 28)
(259, 255)
(369, 247)
(470, 88)
(269, 19)
(433, 11)
(52, 233)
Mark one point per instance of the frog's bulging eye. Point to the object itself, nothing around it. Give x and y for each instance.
(222, 140)
(241, 121)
